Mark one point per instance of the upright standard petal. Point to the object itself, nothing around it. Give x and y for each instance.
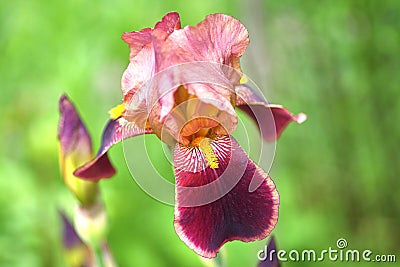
(219, 39)
(271, 119)
(142, 63)
(213, 202)
(114, 132)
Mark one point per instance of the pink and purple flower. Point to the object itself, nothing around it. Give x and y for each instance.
(183, 84)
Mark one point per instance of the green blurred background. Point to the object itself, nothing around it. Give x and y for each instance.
(337, 174)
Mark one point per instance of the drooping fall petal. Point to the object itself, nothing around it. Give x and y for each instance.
(114, 132)
(271, 119)
(213, 203)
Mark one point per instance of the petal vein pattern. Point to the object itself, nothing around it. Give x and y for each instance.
(214, 205)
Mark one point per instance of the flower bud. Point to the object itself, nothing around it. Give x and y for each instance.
(75, 149)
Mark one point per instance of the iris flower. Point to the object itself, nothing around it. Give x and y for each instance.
(183, 84)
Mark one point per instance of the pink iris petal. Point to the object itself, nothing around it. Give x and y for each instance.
(114, 132)
(218, 39)
(271, 119)
(237, 214)
(142, 60)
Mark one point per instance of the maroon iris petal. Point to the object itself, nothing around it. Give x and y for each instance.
(271, 119)
(114, 132)
(236, 214)
(99, 168)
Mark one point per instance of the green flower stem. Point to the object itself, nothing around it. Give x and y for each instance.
(102, 256)
(99, 256)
